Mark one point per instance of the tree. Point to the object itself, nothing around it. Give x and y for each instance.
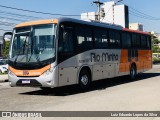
(6, 49)
(155, 40)
(155, 49)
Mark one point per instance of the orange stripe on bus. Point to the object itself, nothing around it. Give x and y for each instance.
(39, 22)
(36, 72)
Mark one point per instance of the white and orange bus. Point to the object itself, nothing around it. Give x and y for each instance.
(65, 51)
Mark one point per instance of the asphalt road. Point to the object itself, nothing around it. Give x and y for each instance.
(118, 94)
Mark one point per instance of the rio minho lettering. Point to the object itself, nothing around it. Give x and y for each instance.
(103, 57)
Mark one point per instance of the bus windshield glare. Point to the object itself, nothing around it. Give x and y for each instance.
(33, 44)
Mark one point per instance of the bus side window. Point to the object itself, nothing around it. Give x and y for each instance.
(126, 40)
(101, 39)
(136, 43)
(114, 37)
(143, 42)
(84, 39)
(111, 39)
(148, 42)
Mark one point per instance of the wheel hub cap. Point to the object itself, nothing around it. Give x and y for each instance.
(84, 79)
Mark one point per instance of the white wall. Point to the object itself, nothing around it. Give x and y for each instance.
(119, 17)
(88, 16)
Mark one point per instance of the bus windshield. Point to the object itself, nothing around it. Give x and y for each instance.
(33, 44)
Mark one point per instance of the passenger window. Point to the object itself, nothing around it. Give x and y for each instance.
(117, 39)
(101, 39)
(114, 38)
(136, 41)
(84, 38)
(148, 43)
(126, 40)
(143, 42)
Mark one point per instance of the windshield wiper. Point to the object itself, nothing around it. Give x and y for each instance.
(37, 58)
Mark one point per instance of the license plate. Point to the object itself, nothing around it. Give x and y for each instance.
(26, 81)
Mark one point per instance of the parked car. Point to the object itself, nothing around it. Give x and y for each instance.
(3, 69)
(3, 63)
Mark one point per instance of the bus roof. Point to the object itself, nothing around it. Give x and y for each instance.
(136, 31)
(92, 23)
(59, 20)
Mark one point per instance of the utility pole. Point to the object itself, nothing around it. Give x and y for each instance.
(98, 3)
(115, 3)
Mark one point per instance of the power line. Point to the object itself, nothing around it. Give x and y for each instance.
(149, 16)
(15, 19)
(20, 15)
(11, 23)
(140, 14)
(133, 12)
(5, 30)
(5, 24)
(32, 11)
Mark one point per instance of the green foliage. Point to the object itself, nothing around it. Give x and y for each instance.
(155, 49)
(156, 60)
(6, 49)
(155, 41)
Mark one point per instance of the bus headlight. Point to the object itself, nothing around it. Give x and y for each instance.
(49, 71)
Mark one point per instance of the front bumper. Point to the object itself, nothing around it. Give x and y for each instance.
(40, 81)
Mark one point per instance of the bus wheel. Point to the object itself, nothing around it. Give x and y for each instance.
(133, 72)
(84, 80)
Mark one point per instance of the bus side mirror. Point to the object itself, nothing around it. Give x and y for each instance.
(7, 34)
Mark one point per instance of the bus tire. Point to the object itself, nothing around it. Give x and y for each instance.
(84, 79)
(133, 72)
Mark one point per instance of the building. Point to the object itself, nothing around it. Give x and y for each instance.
(136, 26)
(110, 13)
(88, 16)
(116, 14)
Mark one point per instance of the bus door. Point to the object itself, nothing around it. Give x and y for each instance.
(67, 63)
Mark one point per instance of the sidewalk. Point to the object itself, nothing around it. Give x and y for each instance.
(3, 78)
